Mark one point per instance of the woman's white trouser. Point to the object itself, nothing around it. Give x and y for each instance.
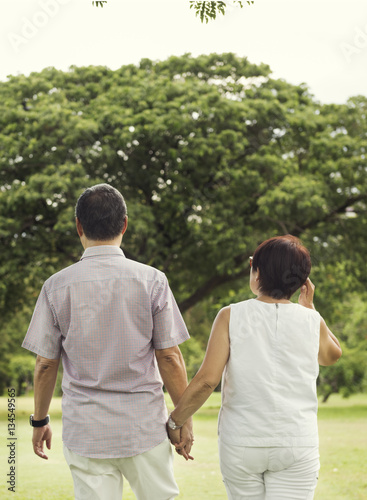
(269, 473)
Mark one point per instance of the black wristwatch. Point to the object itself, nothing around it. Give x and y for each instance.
(39, 423)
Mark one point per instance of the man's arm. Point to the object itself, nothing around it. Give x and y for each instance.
(45, 374)
(173, 372)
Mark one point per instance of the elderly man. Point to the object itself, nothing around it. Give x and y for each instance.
(116, 326)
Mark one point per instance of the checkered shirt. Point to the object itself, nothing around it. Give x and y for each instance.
(105, 316)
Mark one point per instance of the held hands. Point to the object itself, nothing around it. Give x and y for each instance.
(306, 296)
(182, 439)
(41, 434)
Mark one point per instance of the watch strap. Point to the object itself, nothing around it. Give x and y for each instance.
(39, 423)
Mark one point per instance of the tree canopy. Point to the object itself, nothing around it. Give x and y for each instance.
(213, 156)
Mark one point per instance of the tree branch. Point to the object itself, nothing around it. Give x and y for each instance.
(208, 287)
(218, 280)
(297, 230)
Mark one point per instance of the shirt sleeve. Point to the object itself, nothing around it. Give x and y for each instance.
(43, 336)
(169, 328)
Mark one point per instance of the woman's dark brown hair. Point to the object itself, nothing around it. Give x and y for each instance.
(284, 265)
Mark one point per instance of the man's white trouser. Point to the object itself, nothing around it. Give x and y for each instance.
(150, 475)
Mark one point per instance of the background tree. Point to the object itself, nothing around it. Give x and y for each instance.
(212, 156)
(21, 368)
(348, 376)
(209, 10)
(205, 10)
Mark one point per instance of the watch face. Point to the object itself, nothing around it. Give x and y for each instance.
(171, 423)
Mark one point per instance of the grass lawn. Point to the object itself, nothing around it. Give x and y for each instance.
(343, 450)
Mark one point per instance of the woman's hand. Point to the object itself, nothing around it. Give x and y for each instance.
(182, 439)
(306, 296)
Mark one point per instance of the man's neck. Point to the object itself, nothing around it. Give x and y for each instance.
(96, 243)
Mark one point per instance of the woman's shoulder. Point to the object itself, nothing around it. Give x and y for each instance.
(225, 312)
(306, 311)
(242, 303)
(242, 306)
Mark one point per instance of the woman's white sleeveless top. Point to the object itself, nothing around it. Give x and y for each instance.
(269, 383)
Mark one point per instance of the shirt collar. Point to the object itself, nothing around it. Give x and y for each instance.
(102, 250)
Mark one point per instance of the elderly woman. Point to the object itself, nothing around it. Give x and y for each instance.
(268, 350)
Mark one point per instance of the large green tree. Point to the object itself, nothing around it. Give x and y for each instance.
(212, 154)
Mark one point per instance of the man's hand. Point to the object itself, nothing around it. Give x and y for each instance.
(306, 295)
(41, 434)
(183, 439)
(45, 374)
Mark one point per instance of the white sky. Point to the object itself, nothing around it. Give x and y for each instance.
(320, 42)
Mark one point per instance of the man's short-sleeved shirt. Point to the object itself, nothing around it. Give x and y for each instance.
(105, 316)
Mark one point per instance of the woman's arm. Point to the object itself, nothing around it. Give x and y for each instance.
(329, 350)
(209, 374)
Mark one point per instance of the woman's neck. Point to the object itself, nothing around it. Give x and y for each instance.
(271, 300)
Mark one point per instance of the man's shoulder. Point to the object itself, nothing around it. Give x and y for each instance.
(83, 271)
(61, 277)
(143, 271)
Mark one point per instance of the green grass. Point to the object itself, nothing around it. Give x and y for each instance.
(343, 450)
(343, 445)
